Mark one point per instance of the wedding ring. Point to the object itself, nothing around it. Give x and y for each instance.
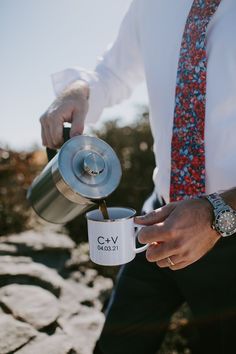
(171, 263)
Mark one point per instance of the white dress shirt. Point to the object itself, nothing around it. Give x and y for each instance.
(147, 48)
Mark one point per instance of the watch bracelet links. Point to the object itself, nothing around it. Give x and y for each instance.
(219, 205)
(216, 201)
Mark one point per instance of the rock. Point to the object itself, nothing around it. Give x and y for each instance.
(14, 334)
(22, 270)
(83, 329)
(103, 287)
(68, 302)
(72, 294)
(79, 256)
(56, 344)
(85, 276)
(47, 247)
(80, 260)
(78, 293)
(6, 249)
(69, 308)
(13, 259)
(31, 304)
(39, 241)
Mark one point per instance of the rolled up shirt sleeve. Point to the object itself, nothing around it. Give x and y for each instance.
(117, 72)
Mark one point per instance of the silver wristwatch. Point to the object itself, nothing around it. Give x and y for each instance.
(225, 217)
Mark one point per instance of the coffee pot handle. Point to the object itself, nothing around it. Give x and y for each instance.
(66, 136)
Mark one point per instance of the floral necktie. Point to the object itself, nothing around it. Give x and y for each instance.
(187, 147)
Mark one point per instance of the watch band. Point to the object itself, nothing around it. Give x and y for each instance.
(225, 217)
(216, 201)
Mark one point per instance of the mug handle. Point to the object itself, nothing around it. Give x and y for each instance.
(143, 248)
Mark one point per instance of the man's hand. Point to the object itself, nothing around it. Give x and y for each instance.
(71, 106)
(180, 230)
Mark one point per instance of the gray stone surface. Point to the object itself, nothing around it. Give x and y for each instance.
(103, 287)
(21, 270)
(43, 344)
(79, 256)
(31, 304)
(14, 334)
(6, 249)
(40, 311)
(80, 291)
(83, 329)
(38, 241)
(69, 303)
(84, 276)
(14, 259)
(46, 246)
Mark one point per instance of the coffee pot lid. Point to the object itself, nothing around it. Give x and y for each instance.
(89, 166)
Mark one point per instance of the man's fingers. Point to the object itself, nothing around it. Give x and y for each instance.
(180, 265)
(153, 233)
(76, 129)
(47, 137)
(173, 260)
(43, 136)
(56, 134)
(51, 133)
(160, 251)
(70, 106)
(52, 126)
(43, 130)
(155, 216)
(78, 118)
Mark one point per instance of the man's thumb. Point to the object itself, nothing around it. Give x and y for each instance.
(155, 216)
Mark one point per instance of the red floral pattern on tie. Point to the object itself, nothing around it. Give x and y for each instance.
(187, 147)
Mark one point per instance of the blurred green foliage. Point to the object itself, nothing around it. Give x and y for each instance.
(17, 170)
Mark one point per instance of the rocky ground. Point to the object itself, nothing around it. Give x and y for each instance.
(50, 301)
(51, 297)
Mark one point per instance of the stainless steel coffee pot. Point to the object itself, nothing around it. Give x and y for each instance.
(84, 171)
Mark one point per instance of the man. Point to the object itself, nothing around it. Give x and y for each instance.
(174, 46)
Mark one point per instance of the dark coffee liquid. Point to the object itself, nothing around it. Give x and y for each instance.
(103, 209)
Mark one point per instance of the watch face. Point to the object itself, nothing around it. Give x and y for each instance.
(226, 222)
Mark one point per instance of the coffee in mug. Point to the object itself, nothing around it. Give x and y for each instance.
(113, 241)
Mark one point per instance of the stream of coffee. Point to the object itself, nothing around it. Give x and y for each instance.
(103, 209)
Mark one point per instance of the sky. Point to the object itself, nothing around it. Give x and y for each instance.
(38, 38)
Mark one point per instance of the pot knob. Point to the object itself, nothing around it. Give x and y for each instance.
(93, 164)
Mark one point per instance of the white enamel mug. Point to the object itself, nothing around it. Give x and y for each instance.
(113, 242)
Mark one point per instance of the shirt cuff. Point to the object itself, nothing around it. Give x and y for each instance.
(97, 100)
